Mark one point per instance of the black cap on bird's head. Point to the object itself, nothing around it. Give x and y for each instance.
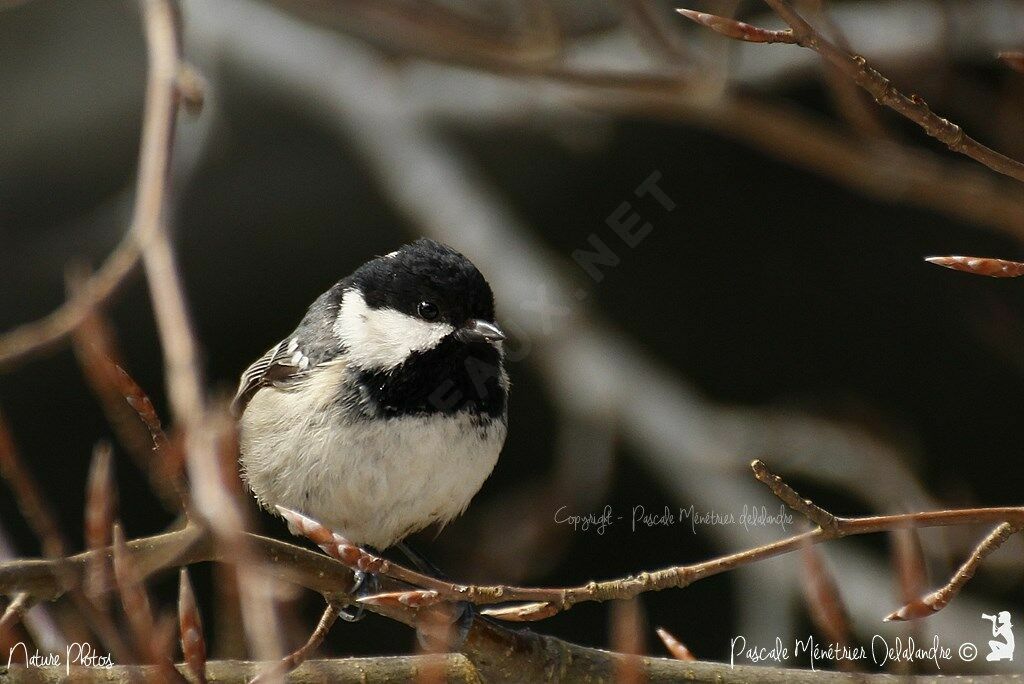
(433, 282)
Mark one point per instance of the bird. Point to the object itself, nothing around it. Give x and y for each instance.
(385, 410)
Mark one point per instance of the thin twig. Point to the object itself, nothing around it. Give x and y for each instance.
(547, 601)
(37, 513)
(285, 561)
(323, 574)
(190, 627)
(657, 30)
(940, 598)
(123, 400)
(47, 333)
(849, 99)
(100, 512)
(805, 507)
(15, 611)
(133, 597)
(913, 107)
(183, 370)
(628, 632)
(856, 68)
(825, 602)
(30, 499)
(301, 654)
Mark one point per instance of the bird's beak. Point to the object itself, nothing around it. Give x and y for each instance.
(476, 330)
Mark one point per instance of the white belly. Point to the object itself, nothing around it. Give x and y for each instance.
(373, 482)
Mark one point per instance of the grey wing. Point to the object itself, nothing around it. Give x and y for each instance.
(282, 362)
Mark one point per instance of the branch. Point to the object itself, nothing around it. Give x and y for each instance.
(182, 368)
(856, 68)
(47, 333)
(283, 561)
(939, 599)
(548, 601)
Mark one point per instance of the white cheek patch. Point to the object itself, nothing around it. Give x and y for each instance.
(380, 339)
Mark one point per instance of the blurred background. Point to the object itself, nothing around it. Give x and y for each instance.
(778, 307)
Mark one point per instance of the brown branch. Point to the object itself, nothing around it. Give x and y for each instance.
(127, 405)
(913, 107)
(628, 632)
(181, 356)
(182, 368)
(48, 333)
(940, 598)
(566, 661)
(547, 601)
(825, 602)
(890, 172)
(15, 611)
(37, 513)
(133, 597)
(805, 507)
(878, 169)
(30, 499)
(190, 628)
(486, 641)
(856, 68)
(301, 654)
(100, 513)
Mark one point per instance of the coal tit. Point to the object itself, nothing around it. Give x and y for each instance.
(386, 408)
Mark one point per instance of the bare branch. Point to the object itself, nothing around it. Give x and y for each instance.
(100, 512)
(30, 500)
(913, 107)
(14, 612)
(183, 373)
(323, 574)
(46, 334)
(547, 601)
(300, 655)
(940, 598)
(133, 597)
(856, 68)
(825, 601)
(190, 627)
(805, 507)
(628, 630)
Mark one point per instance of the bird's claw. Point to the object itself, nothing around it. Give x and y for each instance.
(366, 584)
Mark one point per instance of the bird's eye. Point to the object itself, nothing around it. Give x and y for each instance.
(427, 311)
